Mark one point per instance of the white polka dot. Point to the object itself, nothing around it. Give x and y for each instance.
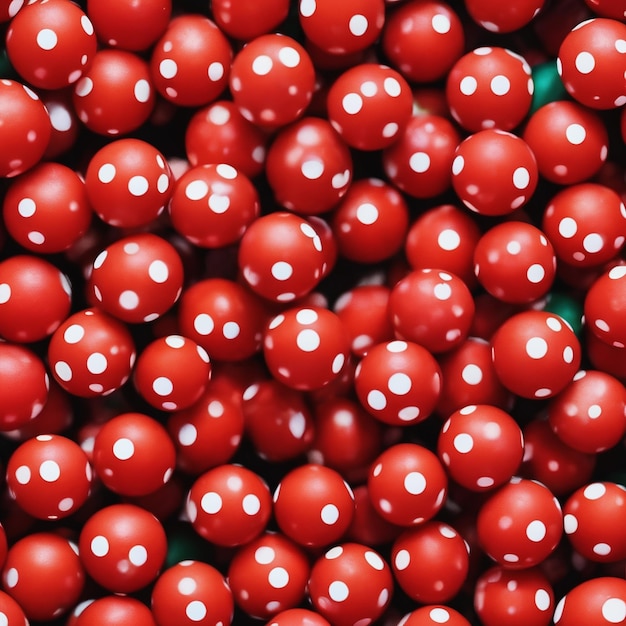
(614, 610)
(211, 502)
(593, 242)
(521, 178)
(26, 207)
(307, 8)
(620, 44)
(575, 134)
(602, 549)
(123, 449)
(585, 63)
(187, 435)
(594, 491)
(215, 71)
(203, 324)
(338, 591)
(99, 545)
(251, 504)
(536, 531)
(402, 560)
(500, 85)
(142, 90)
(138, 185)
(66, 504)
(399, 384)
(468, 85)
(352, 103)
(63, 371)
(129, 300)
(472, 374)
(97, 363)
(219, 203)
(374, 560)
(196, 611)
(73, 333)
(457, 165)
(440, 23)
(168, 68)
(338, 363)
(106, 173)
(376, 400)
(536, 347)
(158, 271)
(47, 39)
(397, 346)
(448, 239)
(369, 88)
(264, 555)
(22, 474)
(485, 482)
(568, 227)
(442, 291)
(278, 577)
(186, 586)
(419, 162)
(226, 171)
(367, 213)
(289, 56)
(415, 483)
(196, 190)
(85, 22)
(312, 169)
(439, 615)
(463, 443)
(358, 25)
(392, 87)
(138, 555)
(162, 386)
(308, 340)
(542, 599)
(329, 514)
(535, 273)
(262, 65)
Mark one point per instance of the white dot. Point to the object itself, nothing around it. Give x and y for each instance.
(419, 162)
(442, 291)
(594, 411)
(338, 591)
(307, 8)
(63, 371)
(500, 85)
(73, 333)
(138, 555)
(352, 103)
(575, 134)
(408, 413)
(369, 88)
(312, 169)
(620, 44)
(468, 85)
(440, 23)
(262, 65)
(585, 62)
(99, 546)
(66, 504)
(278, 577)
(399, 384)
(289, 56)
(448, 239)
(536, 531)
(162, 386)
(26, 207)
(306, 316)
(129, 300)
(374, 560)
(330, 514)
(251, 504)
(215, 71)
(211, 502)
(308, 340)
(168, 68)
(458, 164)
(415, 483)
(203, 324)
(85, 22)
(402, 560)
(521, 178)
(367, 213)
(106, 173)
(568, 227)
(264, 555)
(593, 242)
(602, 549)
(535, 273)
(358, 25)
(472, 374)
(142, 90)
(138, 185)
(123, 449)
(439, 615)
(196, 190)
(186, 586)
(594, 491)
(97, 363)
(47, 39)
(226, 171)
(158, 271)
(463, 443)
(187, 435)
(22, 474)
(614, 610)
(196, 610)
(392, 87)
(376, 400)
(536, 347)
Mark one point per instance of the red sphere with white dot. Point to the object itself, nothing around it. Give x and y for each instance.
(272, 80)
(503, 18)
(172, 372)
(35, 297)
(47, 209)
(295, 617)
(137, 278)
(585, 223)
(569, 141)
(520, 525)
(25, 128)
(128, 183)
(421, 29)
(593, 518)
(249, 19)
(12, 611)
(481, 447)
(591, 63)
(600, 601)
(494, 172)
(180, 596)
(309, 167)
(49, 476)
(189, 65)
(115, 95)
(50, 44)
(419, 161)
(268, 575)
(23, 386)
(350, 583)
(514, 262)
(342, 29)
(91, 353)
(133, 454)
(212, 205)
(282, 257)
(535, 354)
(432, 615)
(122, 547)
(605, 306)
(44, 575)
(432, 308)
(118, 610)
(489, 88)
(305, 348)
(589, 415)
(398, 382)
(369, 105)
(229, 505)
(407, 484)
(513, 597)
(313, 505)
(446, 553)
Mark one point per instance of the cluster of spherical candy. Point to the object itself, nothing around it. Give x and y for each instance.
(313, 313)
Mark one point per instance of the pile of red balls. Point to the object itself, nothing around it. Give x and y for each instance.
(313, 313)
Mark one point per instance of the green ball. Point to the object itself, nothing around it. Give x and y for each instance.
(184, 544)
(567, 307)
(548, 85)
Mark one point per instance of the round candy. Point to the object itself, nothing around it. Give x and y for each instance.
(604, 307)
(600, 601)
(118, 610)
